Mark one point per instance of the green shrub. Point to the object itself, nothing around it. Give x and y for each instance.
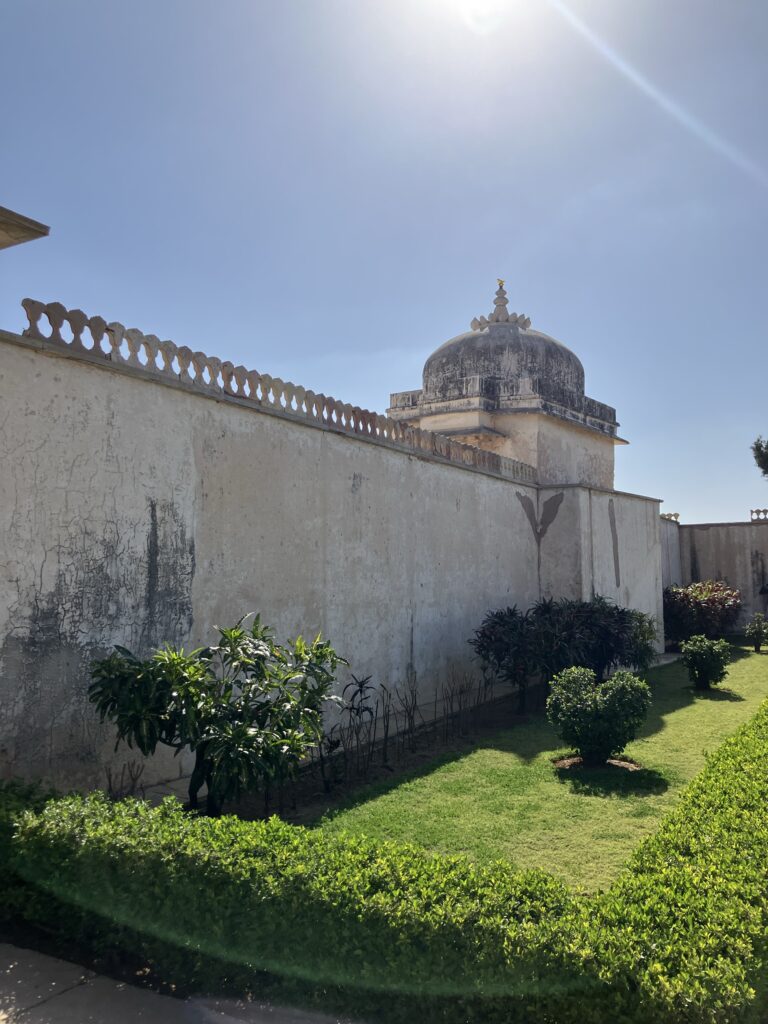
(710, 608)
(397, 933)
(684, 931)
(554, 635)
(597, 719)
(706, 660)
(756, 631)
(248, 708)
(190, 892)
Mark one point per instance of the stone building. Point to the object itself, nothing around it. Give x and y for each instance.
(509, 389)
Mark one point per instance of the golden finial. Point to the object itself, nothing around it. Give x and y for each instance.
(501, 282)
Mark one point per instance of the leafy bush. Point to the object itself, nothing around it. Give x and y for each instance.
(597, 719)
(706, 660)
(190, 893)
(15, 798)
(401, 934)
(682, 932)
(554, 635)
(756, 631)
(710, 608)
(248, 708)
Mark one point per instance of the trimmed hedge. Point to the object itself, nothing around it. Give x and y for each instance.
(395, 932)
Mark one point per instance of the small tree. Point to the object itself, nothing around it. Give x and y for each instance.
(597, 719)
(756, 631)
(706, 660)
(760, 452)
(248, 708)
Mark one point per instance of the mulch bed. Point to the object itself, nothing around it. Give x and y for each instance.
(578, 762)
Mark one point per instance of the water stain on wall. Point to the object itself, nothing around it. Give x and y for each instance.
(106, 589)
(615, 540)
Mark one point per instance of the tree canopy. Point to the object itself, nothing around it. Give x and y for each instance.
(760, 451)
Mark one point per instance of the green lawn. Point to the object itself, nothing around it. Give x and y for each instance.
(506, 799)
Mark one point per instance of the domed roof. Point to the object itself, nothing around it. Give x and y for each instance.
(509, 359)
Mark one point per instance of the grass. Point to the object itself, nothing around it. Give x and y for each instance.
(506, 799)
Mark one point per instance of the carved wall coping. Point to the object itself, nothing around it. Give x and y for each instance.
(120, 348)
(758, 515)
(673, 517)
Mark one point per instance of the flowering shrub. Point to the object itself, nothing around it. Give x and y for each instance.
(709, 608)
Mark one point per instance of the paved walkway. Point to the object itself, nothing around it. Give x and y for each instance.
(38, 989)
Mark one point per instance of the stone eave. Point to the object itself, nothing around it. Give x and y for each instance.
(15, 228)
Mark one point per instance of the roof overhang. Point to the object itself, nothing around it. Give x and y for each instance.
(15, 228)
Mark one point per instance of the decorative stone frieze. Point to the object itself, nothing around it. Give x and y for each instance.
(129, 348)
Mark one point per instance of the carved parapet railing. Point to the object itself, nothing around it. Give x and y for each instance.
(125, 347)
(758, 515)
(673, 517)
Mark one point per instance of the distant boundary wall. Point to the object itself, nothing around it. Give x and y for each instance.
(734, 552)
(148, 492)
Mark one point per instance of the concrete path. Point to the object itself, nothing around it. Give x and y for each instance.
(39, 989)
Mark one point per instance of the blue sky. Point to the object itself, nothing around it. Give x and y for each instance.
(326, 190)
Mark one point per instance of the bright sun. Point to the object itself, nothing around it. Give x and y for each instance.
(482, 16)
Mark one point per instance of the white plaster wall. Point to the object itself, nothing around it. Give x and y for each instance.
(734, 552)
(569, 454)
(626, 552)
(606, 543)
(562, 451)
(136, 513)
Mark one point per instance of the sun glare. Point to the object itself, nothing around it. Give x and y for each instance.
(481, 16)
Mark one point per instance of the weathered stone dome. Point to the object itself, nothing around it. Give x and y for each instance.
(517, 360)
(476, 383)
(501, 356)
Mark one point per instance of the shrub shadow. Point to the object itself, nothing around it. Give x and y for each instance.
(739, 649)
(612, 781)
(716, 693)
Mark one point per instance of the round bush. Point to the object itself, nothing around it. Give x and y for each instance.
(706, 660)
(597, 719)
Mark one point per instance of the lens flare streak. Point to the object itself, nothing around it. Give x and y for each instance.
(692, 124)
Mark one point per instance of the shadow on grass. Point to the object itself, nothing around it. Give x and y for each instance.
(716, 693)
(739, 651)
(612, 781)
(671, 691)
(370, 790)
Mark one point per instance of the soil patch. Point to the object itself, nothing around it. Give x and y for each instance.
(577, 762)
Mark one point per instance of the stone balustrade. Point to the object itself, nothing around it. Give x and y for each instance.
(758, 515)
(125, 347)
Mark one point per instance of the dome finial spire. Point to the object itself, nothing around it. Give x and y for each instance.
(500, 303)
(500, 314)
